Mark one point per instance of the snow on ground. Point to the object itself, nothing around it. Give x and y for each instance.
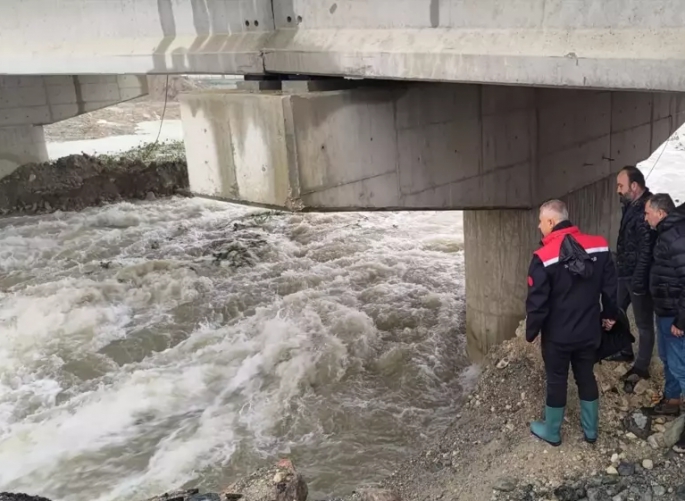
(146, 132)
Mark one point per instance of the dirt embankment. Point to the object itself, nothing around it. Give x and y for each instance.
(79, 181)
(489, 453)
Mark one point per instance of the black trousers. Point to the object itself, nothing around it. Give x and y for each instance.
(581, 358)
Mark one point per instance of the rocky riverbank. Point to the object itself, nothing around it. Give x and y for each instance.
(488, 452)
(79, 181)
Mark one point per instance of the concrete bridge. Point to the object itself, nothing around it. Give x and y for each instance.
(487, 106)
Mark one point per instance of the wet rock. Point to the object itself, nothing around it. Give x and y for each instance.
(505, 484)
(626, 469)
(179, 495)
(279, 483)
(20, 496)
(639, 424)
(372, 494)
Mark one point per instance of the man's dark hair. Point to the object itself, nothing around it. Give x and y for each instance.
(635, 175)
(662, 201)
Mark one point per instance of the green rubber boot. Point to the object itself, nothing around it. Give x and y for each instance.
(589, 419)
(549, 430)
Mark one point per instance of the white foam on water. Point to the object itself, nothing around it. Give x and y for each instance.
(131, 362)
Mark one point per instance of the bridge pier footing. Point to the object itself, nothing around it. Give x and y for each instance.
(21, 145)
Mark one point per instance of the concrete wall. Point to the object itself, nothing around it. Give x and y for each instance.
(34, 100)
(612, 44)
(499, 245)
(419, 146)
(20, 145)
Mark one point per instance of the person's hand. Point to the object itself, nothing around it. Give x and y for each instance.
(608, 324)
(676, 332)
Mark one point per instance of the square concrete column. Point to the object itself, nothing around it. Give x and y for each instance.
(19, 146)
(498, 246)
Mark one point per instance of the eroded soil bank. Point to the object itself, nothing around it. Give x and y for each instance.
(79, 181)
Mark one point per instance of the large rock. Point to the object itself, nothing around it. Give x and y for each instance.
(278, 483)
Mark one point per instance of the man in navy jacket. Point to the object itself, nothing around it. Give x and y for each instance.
(567, 277)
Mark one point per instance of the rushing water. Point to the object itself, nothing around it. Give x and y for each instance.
(181, 342)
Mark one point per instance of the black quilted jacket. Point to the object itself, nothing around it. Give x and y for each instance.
(667, 277)
(634, 245)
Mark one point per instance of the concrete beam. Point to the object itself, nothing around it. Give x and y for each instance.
(616, 44)
(35, 100)
(420, 146)
(39, 37)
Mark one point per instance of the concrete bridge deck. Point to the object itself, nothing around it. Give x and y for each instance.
(609, 44)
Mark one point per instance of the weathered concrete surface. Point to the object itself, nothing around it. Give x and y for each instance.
(498, 247)
(417, 146)
(21, 145)
(39, 37)
(237, 145)
(37, 100)
(616, 44)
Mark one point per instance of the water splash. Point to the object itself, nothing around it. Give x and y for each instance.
(150, 345)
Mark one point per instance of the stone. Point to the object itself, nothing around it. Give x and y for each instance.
(150, 196)
(502, 363)
(597, 494)
(505, 484)
(658, 490)
(680, 492)
(569, 493)
(279, 483)
(648, 464)
(372, 494)
(656, 441)
(612, 471)
(614, 458)
(660, 428)
(639, 424)
(626, 469)
(673, 431)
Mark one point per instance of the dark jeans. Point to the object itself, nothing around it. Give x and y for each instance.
(643, 311)
(672, 354)
(582, 359)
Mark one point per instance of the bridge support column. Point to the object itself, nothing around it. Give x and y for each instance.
(21, 145)
(498, 247)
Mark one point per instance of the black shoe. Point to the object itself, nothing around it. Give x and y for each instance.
(621, 357)
(663, 408)
(632, 377)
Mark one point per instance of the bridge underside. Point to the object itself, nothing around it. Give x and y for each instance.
(626, 44)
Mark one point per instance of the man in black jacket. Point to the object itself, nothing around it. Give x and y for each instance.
(667, 285)
(633, 260)
(567, 277)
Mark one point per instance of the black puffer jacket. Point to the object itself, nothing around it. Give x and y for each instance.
(634, 245)
(667, 277)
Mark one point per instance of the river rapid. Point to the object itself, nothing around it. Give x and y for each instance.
(159, 344)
